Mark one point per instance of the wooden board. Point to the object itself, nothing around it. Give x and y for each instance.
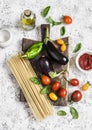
(26, 43)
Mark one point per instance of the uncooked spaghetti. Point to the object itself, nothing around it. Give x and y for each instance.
(23, 71)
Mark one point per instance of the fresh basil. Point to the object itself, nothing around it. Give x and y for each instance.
(77, 47)
(51, 21)
(62, 31)
(61, 113)
(35, 80)
(46, 90)
(70, 100)
(74, 113)
(45, 11)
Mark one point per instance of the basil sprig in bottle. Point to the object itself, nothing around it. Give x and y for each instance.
(28, 20)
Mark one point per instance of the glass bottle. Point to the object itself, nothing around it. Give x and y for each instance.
(28, 20)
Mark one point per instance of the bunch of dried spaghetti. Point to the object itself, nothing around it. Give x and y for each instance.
(39, 104)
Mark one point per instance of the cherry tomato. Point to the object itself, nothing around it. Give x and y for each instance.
(45, 80)
(53, 96)
(60, 42)
(76, 96)
(67, 19)
(63, 92)
(63, 47)
(74, 82)
(86, 86)
(56, 86)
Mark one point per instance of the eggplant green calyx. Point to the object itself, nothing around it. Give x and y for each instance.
(33, 51)
(55, 74)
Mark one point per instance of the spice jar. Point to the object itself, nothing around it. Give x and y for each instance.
(28, 20)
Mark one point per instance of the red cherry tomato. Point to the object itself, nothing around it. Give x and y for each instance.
(45, 80)
(56, 86)
(74, 82)
(67, 19)
(63, 92)
(76, 96)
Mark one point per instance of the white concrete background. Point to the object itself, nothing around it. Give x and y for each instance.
(15, 115)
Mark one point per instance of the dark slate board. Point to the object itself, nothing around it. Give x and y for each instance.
(26, 43)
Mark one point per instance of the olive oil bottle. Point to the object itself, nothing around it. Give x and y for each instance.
(28, 20)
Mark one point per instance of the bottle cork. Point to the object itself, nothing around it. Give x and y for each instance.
(27, 12)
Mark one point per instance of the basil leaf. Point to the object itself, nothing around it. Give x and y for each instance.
(61, 113)
(51, 21)
(45, 11)
(74, 113)
(62, 31)
(56, 23)
(77, 47)
(70, 101)
(46, 90)
(35, 80)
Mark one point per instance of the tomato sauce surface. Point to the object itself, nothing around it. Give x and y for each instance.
(85, 61)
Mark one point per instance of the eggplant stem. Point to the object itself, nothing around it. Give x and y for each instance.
(55, 74)
(46, 36)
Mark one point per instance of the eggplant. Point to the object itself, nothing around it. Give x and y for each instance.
(55, 54)
(45, 65)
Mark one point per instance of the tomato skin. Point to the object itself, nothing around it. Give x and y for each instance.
(45, 80)
(53, 96)
(60, 42)
(76, 96)
(74, 82)
(63, 92)
(67, 19)
(85, 87)
(56, 86)
(63, 48)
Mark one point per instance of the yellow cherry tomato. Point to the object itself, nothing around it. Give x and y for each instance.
(60, 41)
(63, 47)
(53, 96)
(86, 86)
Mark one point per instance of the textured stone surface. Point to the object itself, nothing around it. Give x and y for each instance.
(15, 115)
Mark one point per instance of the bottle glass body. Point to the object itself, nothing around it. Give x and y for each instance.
(28, 21)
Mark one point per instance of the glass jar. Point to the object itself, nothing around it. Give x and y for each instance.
(28, 20)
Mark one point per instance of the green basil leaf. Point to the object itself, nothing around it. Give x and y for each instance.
(70, 100)
(74, 113)
(62, 31)
(45, 11)
(35, 80)
(56, 23)
(46, 90)
(77, 47)
(61, 113)
(51, 21)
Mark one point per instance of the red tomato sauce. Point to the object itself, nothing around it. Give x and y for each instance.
(85, 61)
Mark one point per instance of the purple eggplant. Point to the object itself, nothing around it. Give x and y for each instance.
(53, 52)
(47, 68)
(45, 65)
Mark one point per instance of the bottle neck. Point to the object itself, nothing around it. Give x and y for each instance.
(27, 13)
